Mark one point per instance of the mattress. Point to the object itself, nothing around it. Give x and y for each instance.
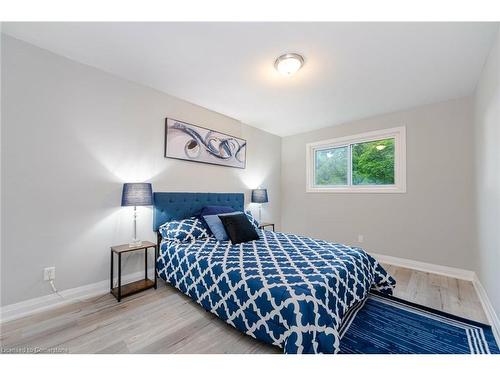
(287, 290)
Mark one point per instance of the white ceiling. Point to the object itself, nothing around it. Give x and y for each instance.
(352, 70)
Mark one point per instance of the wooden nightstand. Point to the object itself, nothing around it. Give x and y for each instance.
(120, 290)
(264, 225)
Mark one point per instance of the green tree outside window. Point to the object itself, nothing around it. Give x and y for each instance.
(372, 164)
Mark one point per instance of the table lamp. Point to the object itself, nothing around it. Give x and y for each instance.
(136, 194)
(259, 196)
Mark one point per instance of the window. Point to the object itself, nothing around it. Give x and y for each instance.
(373, 162)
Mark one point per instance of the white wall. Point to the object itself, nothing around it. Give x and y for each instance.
(71, 136)
(487, 134)
(433, 222)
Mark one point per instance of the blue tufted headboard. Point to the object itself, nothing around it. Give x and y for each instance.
(172, 206)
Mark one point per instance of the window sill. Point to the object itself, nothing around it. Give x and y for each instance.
(370, 189)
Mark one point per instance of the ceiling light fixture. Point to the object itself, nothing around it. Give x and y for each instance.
(289, 63)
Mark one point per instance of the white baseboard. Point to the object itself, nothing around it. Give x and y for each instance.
(39, 304)
(487, 307)
(456, 273)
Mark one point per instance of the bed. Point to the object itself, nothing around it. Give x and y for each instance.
(284, 289)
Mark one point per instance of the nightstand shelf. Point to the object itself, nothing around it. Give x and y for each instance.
(133, 287)
(121, 291)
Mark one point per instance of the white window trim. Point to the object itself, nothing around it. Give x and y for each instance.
(399, 135)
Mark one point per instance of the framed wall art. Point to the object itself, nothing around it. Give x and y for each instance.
(194, 143)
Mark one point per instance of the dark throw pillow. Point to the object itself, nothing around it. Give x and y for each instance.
(238, 228)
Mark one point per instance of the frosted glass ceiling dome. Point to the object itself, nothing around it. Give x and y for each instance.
(289, 63)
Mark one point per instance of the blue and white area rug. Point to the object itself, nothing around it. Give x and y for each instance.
(388, 325)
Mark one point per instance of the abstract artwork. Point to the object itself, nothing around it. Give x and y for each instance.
(195, 143)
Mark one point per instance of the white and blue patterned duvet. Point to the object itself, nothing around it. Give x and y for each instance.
(286, 290)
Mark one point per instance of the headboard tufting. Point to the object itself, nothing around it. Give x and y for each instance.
(174, 206)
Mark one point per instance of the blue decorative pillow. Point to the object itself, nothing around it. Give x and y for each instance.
(183, 230)
(252, 220)
(216, 227)
(212, 210)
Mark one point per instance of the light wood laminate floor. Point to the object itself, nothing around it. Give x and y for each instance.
(166, 321)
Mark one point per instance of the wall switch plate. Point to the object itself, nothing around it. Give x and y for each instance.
(361, 238)
(49, 273)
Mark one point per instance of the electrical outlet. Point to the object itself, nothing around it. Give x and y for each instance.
(49, 273)
(361, 238)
